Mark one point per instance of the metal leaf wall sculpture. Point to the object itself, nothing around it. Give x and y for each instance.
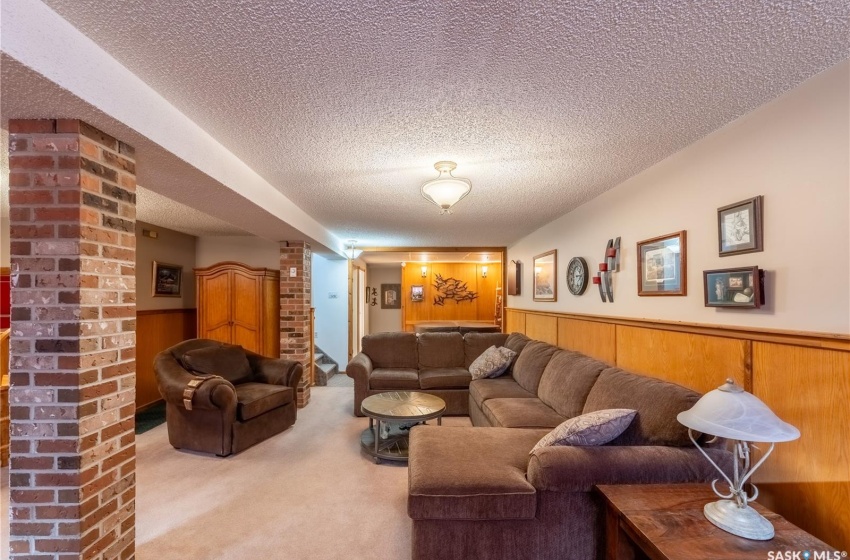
(452, 289)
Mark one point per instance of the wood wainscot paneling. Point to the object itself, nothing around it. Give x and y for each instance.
(514, 321)
(803, 377)
(156, 331)
(808, 480)
(697, 361)
(597, 340)
(542, 327)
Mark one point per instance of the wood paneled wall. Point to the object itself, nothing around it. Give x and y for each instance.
(156, 331)
(483, 308)
(803, 377)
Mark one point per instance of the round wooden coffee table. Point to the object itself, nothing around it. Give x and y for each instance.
(388, 411)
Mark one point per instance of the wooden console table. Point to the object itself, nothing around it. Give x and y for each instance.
(665, 522)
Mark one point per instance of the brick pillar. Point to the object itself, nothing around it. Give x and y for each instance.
(295, 302)
(72, 396)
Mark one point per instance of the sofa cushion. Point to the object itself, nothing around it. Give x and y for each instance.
(444, 378)
(530, 364)
(394, 378)
(500, 388)
(520, 413)
(440, 350)
(391, 350)
(475, 343)
(492, 363)
(567, 380)
(253, 399)
(227, 360)
(470, 473)
(516, 342)
(657, 403)
(593, 428)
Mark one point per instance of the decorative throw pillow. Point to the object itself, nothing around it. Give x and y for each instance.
(593, 428)
(492, 362)
(509, 356)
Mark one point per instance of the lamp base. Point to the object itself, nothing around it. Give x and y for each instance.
(744, 522)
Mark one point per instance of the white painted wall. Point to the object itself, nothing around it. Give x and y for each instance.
(249, 250)
(331, 276)
(383, 320)
(795, 151)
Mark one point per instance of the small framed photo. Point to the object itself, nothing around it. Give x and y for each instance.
(734, 287)
(662, 265)
(546, 276)
(167, 280)
(739, 227)
(417, 293)
(390, 296)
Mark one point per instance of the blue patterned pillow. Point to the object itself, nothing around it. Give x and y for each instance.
(492, 362)
(593, 428)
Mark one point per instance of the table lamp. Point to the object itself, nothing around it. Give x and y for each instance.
(732, 413)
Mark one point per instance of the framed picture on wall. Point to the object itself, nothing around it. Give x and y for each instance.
(662, 265)
(546, 276)
(390, 296)
(417, 293)
(734, 287)
(739, 227)
(167, 280)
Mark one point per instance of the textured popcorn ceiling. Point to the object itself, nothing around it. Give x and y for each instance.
(345, 106)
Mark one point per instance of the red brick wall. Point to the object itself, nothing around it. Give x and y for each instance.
(295, 302)
(4, 301)
(72, 213)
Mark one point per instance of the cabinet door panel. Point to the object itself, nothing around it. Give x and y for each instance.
(246, 314)
(214, 311)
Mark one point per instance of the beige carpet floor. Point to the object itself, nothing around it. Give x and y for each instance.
(308, 493)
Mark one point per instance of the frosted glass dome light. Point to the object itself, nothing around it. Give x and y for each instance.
(446, 190)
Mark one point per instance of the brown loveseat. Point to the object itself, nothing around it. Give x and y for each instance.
(253, 397)
(476, 493)
(436, 363)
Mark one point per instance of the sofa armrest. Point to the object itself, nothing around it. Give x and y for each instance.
(275, 371)
(212, 394)
(359, 368)
(579, 469)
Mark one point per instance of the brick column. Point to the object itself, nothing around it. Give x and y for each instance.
(295, 302)
(72, 396)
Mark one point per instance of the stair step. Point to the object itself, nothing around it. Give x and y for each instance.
(318, 357)
(325, 372)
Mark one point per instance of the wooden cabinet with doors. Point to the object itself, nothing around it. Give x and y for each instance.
(240, 305)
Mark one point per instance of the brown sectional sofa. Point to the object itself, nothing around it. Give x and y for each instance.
(436, 363)
(476, 493)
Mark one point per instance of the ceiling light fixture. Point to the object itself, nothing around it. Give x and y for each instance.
(351, 250)
(446, 190)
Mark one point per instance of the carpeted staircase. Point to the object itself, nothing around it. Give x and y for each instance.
(326, 367)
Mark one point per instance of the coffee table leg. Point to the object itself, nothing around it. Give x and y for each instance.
(377, 440)
(439, 420)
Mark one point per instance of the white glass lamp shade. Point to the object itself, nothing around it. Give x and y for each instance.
(732, 413)
(351, 251)
(446, 190)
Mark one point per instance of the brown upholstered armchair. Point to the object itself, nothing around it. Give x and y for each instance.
(248, 399)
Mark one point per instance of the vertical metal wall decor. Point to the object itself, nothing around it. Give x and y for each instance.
(603, 278)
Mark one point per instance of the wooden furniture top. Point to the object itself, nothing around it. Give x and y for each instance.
(228, 265)
(666, 521)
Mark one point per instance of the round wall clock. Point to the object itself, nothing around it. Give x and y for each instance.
(577, 276)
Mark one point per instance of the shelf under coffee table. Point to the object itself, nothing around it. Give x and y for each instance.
(393, 408)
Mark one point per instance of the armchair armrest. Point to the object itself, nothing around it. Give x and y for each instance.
(275, 371)
(579, 469)
(213, 394)
(359, 369)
